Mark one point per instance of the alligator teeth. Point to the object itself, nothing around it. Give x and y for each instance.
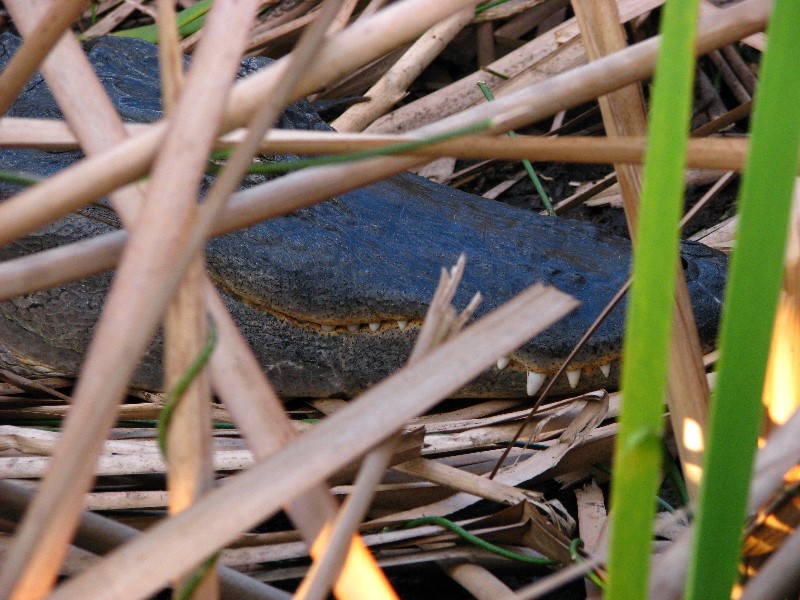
(502, 362)
(327, 328)
(352, 328)
(402, 324)
(374, 326)
(606, 369)
(574, 376)
(535, 381)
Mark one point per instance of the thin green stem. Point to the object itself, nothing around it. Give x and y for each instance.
(279, 168)
(525, 162)
(187, 21)
(17, 178)
(476, 541)
(177, 391)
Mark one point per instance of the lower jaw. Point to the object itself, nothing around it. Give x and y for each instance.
(510, 382)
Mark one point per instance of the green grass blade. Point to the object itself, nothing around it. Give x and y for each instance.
(750, 305)
(19, 178)
(637, 458)
(288, 166)
(188, 21)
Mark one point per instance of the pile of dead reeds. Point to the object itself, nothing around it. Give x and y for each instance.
(376, 450)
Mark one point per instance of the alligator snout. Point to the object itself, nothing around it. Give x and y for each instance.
(331, 297)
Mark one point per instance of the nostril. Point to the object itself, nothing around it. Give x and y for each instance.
(690, 268)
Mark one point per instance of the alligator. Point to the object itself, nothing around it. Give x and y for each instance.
(330, 297)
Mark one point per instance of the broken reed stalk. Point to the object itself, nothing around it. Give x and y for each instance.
(582, 430)
(128, 321)
(301, 189)
(338, 440)
(245, 390)
(440, 323)
(592, 529)
(393, 85)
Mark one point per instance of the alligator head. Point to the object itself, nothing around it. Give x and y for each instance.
(330, 297)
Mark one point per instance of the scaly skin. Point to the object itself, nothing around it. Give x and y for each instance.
(305, 288)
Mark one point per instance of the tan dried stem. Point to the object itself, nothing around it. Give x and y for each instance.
(707, 153)
(190, 467)
(169, 55)
(479, 582)
(35, 47)
(624, 113)
(190, 464)
(343, 16)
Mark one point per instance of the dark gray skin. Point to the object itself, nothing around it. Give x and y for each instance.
(294, 284)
